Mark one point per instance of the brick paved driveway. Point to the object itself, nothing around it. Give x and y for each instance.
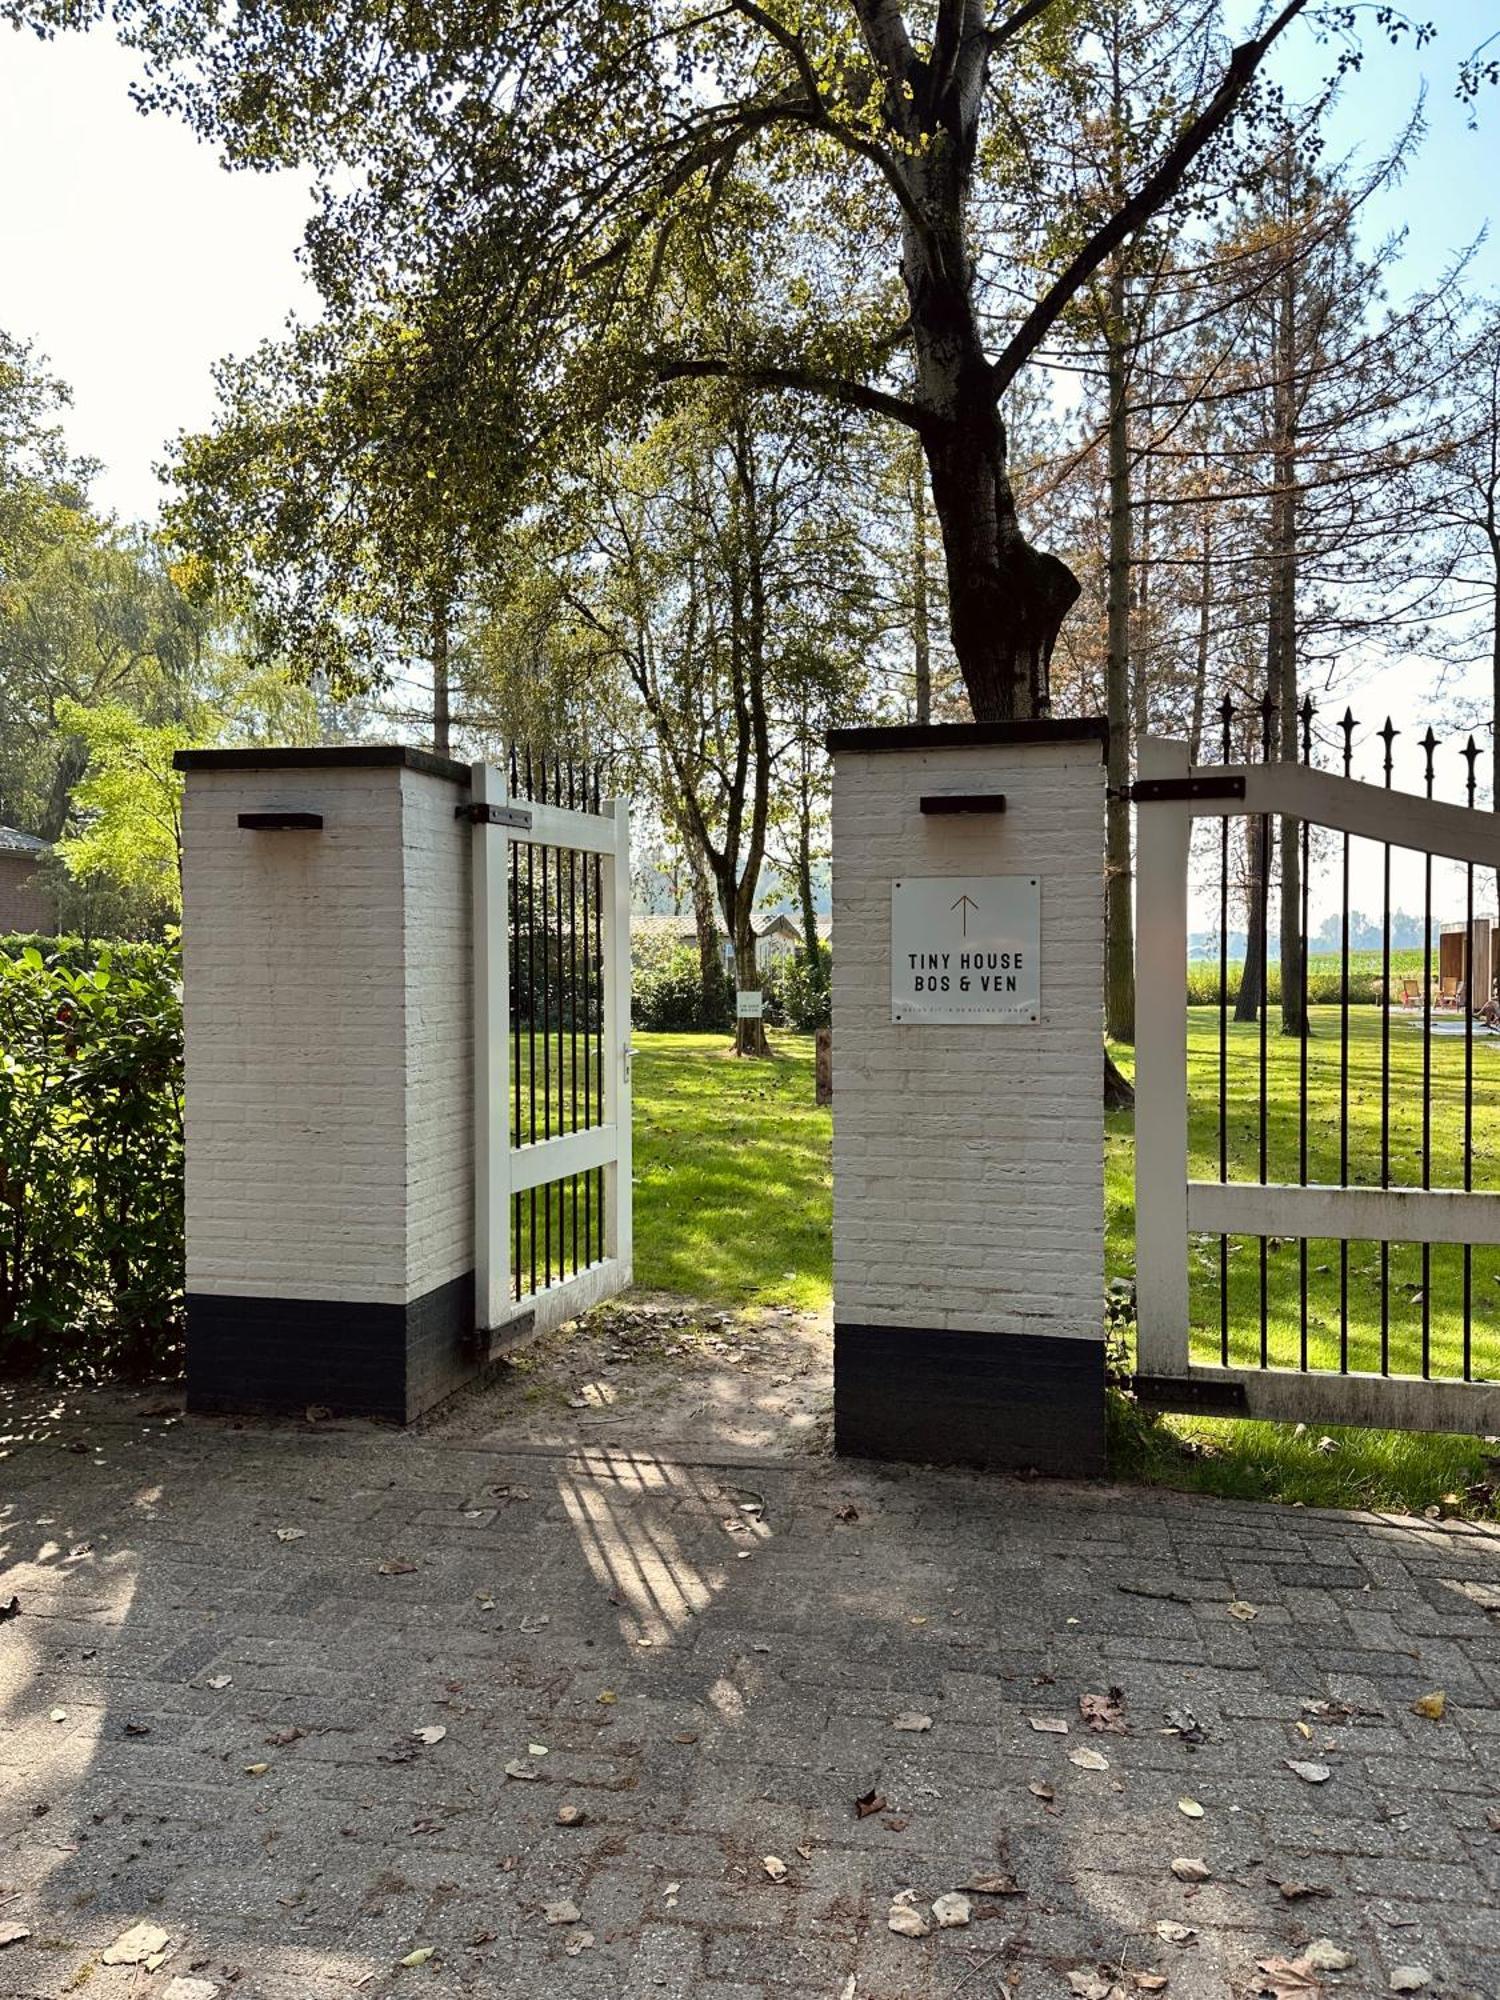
(227, 1638)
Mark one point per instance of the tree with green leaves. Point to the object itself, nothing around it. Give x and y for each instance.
(496, 170)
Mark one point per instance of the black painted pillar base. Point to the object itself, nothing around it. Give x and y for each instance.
(350, 1357)
(1007, 1402)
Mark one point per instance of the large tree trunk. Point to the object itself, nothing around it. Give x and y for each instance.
(1283, 652)
(1251, 994)
(804, 878)
(1200, 654)
(921, 617)
(1119, 915)
(749, 1035)
(1006, 600)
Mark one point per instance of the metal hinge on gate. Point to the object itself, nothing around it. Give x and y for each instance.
(1161, 791)
(479, 814)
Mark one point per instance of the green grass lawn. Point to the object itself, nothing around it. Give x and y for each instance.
(733, 1202)
(733, 1175)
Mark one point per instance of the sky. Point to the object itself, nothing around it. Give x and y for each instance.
(135, 261)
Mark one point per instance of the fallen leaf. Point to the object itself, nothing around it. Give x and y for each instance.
(1182, 1722)
(1287, 1979)
(532, 1624)
(562, 1913)
(1431, 1705)
(280, 1738)
(134, 1947)
(1310, 1774)
(607, 1696)
(775, 1867)
(1304, 1729)
(291, 1534)
(59, 1715)
(580, 1941)
(256, 1770)
(137, 1729)
(1323, 1955)
(418, 1957)
(871, 1802)
(1188, 1868)
(1089, 1760)
(1334, 1711)
(912, 1722)
(1041, 1790)
(12, 1934)
(1190, 1808)
(1048, 1725)
(536, 1750)
(1105, 1712)
(1410, 1978)
(219, 1682)
(1171, 1932)
(523, 1772)
(952, 1911)
(1090, 1985)
(994, 1885)
(1149, 1982)
(190, 1989)
(395, 1566)
(433, 1733)
(907, 1922)
(1296, 1892)
(1238, 1608)
(571, 1815)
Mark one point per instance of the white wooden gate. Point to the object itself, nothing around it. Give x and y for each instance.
(552, 1055)
(1178, 1217)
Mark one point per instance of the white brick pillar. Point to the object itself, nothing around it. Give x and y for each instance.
(968, 1152)
(328, 1016)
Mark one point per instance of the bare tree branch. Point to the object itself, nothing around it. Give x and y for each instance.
(1153, 192)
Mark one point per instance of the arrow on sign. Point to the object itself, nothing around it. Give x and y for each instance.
(963, 906)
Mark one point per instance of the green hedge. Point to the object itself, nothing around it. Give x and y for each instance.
(91, 1234)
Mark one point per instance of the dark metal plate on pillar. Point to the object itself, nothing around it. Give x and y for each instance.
(944, 803)
(1004, 1401)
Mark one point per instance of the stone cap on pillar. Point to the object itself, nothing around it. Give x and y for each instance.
(322, 757)
(970, 735)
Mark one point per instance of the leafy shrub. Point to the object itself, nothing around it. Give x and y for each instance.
(667, 996)
(91, 1230)
(806, 993)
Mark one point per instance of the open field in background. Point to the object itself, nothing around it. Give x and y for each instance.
(1325, 975)
(734, 1203)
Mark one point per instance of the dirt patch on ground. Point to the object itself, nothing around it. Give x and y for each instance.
(657, 1370)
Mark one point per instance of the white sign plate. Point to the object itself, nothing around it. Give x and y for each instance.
(966, 948)
(749, 1003)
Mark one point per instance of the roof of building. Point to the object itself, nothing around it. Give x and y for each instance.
(13, 841)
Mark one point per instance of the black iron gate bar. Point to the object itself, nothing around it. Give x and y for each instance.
(1290, 789)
